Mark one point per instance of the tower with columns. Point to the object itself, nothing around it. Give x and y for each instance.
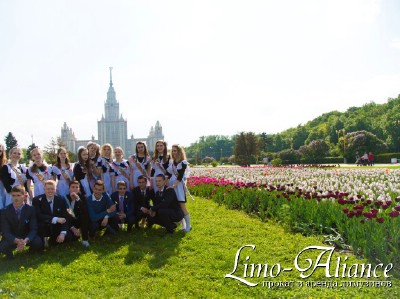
(112, 128)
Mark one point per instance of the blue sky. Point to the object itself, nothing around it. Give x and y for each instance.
(199, 67)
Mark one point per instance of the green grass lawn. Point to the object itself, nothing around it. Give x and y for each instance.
(150, 264)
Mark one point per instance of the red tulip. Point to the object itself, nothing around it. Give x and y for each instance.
(368, 215)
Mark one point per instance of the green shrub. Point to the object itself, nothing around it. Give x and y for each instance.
(322, 160)
(386, 158)
(276, 162)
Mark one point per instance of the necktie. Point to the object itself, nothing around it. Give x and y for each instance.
(121, 203)
(18, 211)
(51, 206)
(143, 194)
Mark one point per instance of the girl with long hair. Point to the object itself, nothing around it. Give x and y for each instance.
(106, 154)
(160, 162)
(121, 168)
(63, 171)
(38, 173)
(176, 172)
(140, 164)
(83, 171)
(12, 174)
(95, 161)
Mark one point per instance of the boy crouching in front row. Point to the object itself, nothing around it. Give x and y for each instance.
(102, 211)
(124, 205)
(19, 225)
(166, 210)
(52, 214)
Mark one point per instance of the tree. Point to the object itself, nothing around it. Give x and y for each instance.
(289, 156)
(28, 152)
(216, 146)
(265, 141)
(24, 155)
(50, 150)
(72, 157)
(246, 148)
(10, 141)
(240, 150)
(299, 137)
(315, 150)
(361, 142)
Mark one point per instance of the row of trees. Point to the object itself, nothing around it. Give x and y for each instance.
(372, 127)
(249, 147)
(50, 150)
(209, 148)
(381, 120)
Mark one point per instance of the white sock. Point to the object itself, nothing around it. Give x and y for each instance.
(183, 224)
(187, 220)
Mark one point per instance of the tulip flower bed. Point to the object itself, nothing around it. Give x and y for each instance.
(359, 207)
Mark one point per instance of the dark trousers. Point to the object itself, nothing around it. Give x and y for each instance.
(129, 221)
(167, 218)
(7, 247)
(82, 223)
(112, 226)
(53, 231)
(138, 215)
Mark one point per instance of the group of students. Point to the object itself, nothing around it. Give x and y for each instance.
(101, 191)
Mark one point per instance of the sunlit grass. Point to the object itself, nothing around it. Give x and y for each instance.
(151, 264)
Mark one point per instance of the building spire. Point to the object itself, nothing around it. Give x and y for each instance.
(111, 68)
(111, 98)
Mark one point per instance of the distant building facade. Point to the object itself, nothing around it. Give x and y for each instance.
(112, 128)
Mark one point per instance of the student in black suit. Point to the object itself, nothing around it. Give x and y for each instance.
(168, 211)
(19, 225)
(51, 211)
(78, 216)
(142, 194)
(124, 205)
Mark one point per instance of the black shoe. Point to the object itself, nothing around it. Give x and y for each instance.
(149, 223)
(171, 228)
(110, 230)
